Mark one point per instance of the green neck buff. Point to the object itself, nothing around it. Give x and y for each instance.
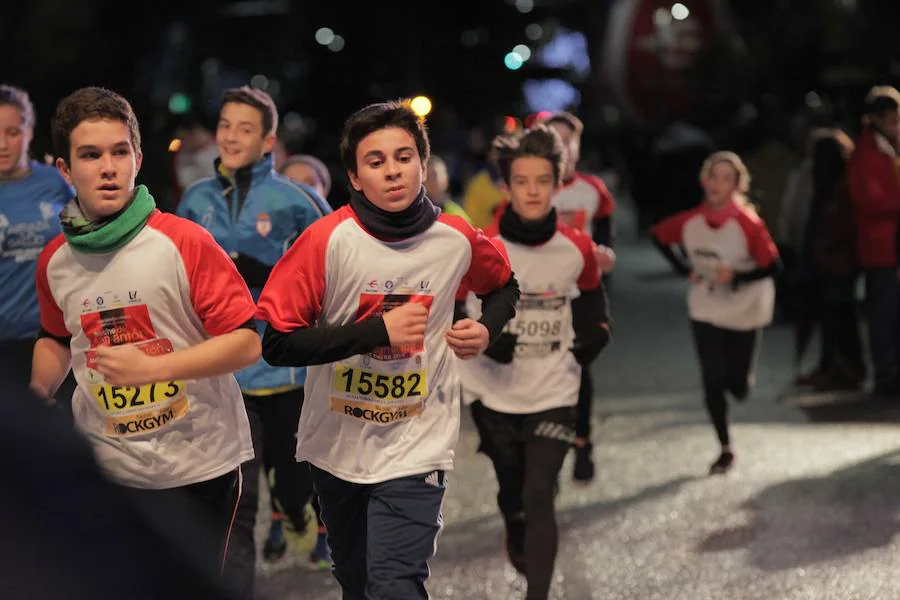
(111, 233)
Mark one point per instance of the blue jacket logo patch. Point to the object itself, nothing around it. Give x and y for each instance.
(263, 224)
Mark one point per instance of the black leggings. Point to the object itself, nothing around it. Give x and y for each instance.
(727, 361)
(528, 452)
(585, 404)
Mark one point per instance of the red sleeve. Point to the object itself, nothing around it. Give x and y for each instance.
(759, 242)
(52, 319)
(669, 231)
(589, 278)
(218, 292)
(293, 296)
(489, 268)
(606, 203)
(873, 180)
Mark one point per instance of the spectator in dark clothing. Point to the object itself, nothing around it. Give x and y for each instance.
(829, 264)
(875, 190)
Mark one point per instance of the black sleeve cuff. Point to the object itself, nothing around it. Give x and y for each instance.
(589, 312)
(499, 306)
(772, 270)
(255, 273)
(322, 345)
(61, 340)
(459, 311)
(251, 324)
(603, 232)
(669, 254)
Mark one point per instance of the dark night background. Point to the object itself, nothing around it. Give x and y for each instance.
(749, 87)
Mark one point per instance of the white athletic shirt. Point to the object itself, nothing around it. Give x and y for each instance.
(736, 237)
(544, 374)
(169, 288)
(395, 411)
(582, 201)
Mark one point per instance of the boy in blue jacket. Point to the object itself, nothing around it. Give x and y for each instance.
(255, 214)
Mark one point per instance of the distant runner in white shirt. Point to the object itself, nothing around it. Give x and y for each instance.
(525, 387)
(731, 262)
(584, 202)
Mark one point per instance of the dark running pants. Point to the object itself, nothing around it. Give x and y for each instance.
(727, 360)
(382, 535)
(527, 451)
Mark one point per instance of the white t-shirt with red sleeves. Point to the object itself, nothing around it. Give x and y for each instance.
(395, 411)
(582, 201)
(736, 238)
(169, 288)
(544, 373)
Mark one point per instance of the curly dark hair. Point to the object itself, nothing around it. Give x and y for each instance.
(396, 113)
(91, 103)
(540, 141)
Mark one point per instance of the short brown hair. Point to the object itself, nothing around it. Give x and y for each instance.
(18, 98)
(396, 113)
(539, 141)
(91, 103)
(259, 100)
(568, 119)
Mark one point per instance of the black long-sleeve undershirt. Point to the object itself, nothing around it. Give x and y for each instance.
(254, 272)
(677, 262)
(590, 311)
(740, 278)
(324, 344)
(499, 306)
(602, 232)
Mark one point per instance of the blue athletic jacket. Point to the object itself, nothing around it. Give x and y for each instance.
(255, 214)
(29, 210)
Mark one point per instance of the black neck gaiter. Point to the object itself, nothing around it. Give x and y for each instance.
(528, 233)
(386, 225)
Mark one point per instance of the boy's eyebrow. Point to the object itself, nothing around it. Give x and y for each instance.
(250, 123)
(84, 147)
(379, 153)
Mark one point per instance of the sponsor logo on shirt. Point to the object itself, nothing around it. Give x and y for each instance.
(144, 422)
(23, 242)
(398, 285)
(378, 414)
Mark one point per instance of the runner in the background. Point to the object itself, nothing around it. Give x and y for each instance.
(31, 197)
(584, 202)
(731, 260)
(255, 214)
(308, 170)
(524, 389)
(437, 184)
